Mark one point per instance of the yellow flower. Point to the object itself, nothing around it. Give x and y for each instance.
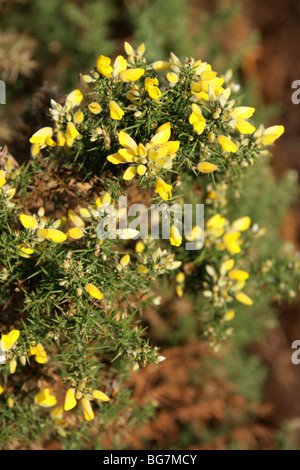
(75, 232)
(120, 65)
(93, 291)
(226, 266)
(175, 237)
(271, 134)
(28, 221)
(196, 119)
(71, 132)
(75, 218)
(132, 75)
(71, 401)
(206, 167)
(25, 252)
(7, 341)
(139, 247)
(216, 223)
(88, 412)
(45, 399)
(74, 98)
(95, 107)
(227, 144)
(163, 189)
(10, 402)
(12, 366)
(242, 112)
(61, 140)
(244, 127)
(208, 83)
(160, 65)
(116, 112)
(78, 117)
(229, 315)
(2, 178)
(230, 240)
(243, 298)
(100, 395)
(151, 86)
(55, 235)
(172, 77)
(39, 352)
(241, 224)
(180, 277)
(152, 157)
(43, 137)
(125, 260)
(104, 67)
(238, 275)
(142, 269)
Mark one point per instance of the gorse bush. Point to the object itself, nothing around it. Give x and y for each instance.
(75, 281)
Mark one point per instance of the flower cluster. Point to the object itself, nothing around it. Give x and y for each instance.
(172, 131)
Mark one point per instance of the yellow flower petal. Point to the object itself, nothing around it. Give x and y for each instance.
(100, 395)
(2, 178)
(230, 240)
(7, 341)
(76, 233)
(141, 170)
(242, 112)
(175, 237)
(131, 75)
(163, 189)
(93, 291)
(87, 409)
(40, 354)
(120, 65)
(238, 275)
(56, 235)
(116, 112)
(243, 298)
(226, 266)
(75, 218)
(12, 366)
(61, 140)
(139, 247)
(45, 399)
(206, 167)
(271, 134)
(241, 224)
(160, 65)
(244, 127)
(28, 221)
(127, 142)
(70, 400)
(130, 173)
(161, 136)
(74, 98)
(229, 315)
(103, 65)
(95, 108)
(172, 77)
(41, 135)
(78, 117)
(71, 132)
(227, 144)
(125, 260)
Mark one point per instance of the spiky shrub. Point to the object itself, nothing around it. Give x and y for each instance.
(72, 301)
